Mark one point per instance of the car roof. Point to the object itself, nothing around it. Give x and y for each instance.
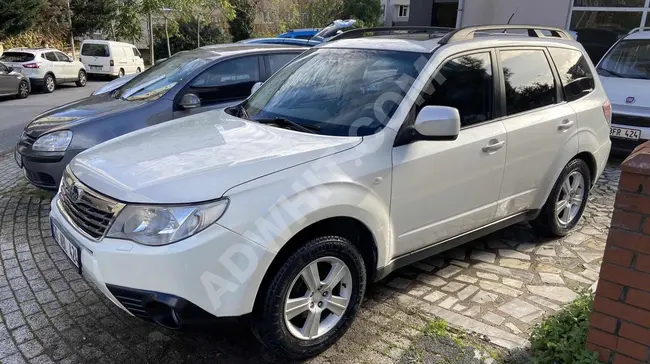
(281, 41)
(222, 50)
(110, 42)
(642, 34)
(31, 50)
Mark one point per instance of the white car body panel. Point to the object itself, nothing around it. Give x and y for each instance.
(62, 71)
(122, 54)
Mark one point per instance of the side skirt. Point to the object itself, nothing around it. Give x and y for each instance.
(451, 243)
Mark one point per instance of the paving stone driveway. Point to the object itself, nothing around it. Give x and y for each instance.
(499, 286)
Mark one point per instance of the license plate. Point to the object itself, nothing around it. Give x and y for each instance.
(69, 248)
(624, 133)
(96, 67)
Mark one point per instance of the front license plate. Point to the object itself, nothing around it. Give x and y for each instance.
(624, 133)
(69, 248)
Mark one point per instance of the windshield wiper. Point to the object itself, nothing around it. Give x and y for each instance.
(288, 123)
(613, 73)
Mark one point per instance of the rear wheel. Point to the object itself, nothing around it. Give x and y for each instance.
(23, 89)
(49, 85)
(138, 70)
(82, 79)
(567, 201)
(311, 299)
(120, 73)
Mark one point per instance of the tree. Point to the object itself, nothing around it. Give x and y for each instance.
(17, 16)
(182, 36)
(92, 15)
(368, 12)
(241, 25)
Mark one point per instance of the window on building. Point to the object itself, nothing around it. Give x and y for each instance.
(403, 11)
(574, 71)
(465, 83)
(528, 79)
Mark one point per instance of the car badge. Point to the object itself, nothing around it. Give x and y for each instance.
(76, 194)
(630, 100)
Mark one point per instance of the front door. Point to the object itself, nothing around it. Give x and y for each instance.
(445, 188)
(7, 82)
(541, 129)
(223, 84)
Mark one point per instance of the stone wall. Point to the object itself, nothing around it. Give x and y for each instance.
(620, 322)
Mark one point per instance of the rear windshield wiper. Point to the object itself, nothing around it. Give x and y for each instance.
(288, 123)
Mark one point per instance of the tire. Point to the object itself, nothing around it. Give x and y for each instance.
(49, 84)
(23, 89)
(138, 70)
(553, 222)
(81, 79)
(280, 334)
(120, 73)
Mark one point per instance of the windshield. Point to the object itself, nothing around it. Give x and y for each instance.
(628, 59)
(340, 92)
(157, 80)
(95, 50)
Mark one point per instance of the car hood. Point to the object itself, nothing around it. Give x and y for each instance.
(627, 95)
(197, 158)
(76, 112)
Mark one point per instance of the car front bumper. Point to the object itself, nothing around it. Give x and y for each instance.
(43, 170)
(215, 273)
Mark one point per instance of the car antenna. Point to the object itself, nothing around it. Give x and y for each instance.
(510, 19)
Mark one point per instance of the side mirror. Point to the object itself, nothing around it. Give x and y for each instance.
(189, 101)
(437, 123)
(256, 87)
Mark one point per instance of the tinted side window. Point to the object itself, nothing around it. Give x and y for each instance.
(62, 57)
(231, 79)
(465, 83)
(3, 68)
(277, 61)
(529, 81)
(51, 57)
(574, 71)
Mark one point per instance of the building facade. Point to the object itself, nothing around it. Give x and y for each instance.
(598, 23)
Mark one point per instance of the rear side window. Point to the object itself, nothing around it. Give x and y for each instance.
(95, 50)
(574, 71)
(277, 61)
(50, 56)
(17, 57)
(529, 81)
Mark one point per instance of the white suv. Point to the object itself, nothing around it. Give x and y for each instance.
(46, 68)
(358, 157)
(625, 73)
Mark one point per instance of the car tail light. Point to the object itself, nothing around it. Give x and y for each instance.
(32, 65)
(112, 63)
(607, 110)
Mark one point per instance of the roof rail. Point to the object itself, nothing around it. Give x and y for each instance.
(363, 32)
(533, 31)
(639, 29)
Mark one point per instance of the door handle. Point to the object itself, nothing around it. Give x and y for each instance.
(494, 146)
(566, 124)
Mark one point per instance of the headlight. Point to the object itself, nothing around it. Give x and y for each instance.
(53, 142)
(162, 225)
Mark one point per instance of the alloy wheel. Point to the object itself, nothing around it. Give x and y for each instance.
(23, 89)
(318, 298)
(569, 200)
(82, 77)
(49, 83)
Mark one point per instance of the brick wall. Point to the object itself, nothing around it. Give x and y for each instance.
(620, 322)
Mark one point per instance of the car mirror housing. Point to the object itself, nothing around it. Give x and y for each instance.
(189, 101)
(256, 87)
(437, 123)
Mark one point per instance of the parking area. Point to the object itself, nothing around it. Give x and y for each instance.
(15, 113)
(498, 287)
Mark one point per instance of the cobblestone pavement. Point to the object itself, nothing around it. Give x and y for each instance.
(498, 287)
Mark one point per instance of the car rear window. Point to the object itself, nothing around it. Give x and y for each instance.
(95, 50)
(17, 57)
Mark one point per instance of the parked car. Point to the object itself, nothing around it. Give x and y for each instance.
(188, 83)
(306, 37)
(13, 83)
(625, 74)
(284, 41)
(46, 68)
(305, 33)
(339, 169)
(115, 59)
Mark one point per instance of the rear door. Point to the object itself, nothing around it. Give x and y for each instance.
(8, 83)
(223, 84)
(95, 57)
(66, 64)
(541, 128)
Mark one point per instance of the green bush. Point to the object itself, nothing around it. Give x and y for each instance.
(561, 338)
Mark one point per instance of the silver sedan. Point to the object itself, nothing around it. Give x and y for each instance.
(13, 83)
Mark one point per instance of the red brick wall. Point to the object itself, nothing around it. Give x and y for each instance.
(620, 322)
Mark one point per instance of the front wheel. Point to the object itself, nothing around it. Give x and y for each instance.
(23, 90)
(82, 79)
(311, 299)
(567, 201)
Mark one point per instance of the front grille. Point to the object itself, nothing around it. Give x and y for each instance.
(630, 120)
(90, 212)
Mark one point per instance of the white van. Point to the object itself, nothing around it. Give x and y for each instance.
(105, 57)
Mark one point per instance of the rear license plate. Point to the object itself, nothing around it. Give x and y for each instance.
(624, 133)
(96, 67)
(69, 248)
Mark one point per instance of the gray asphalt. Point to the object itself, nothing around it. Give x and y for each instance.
(15, 113)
